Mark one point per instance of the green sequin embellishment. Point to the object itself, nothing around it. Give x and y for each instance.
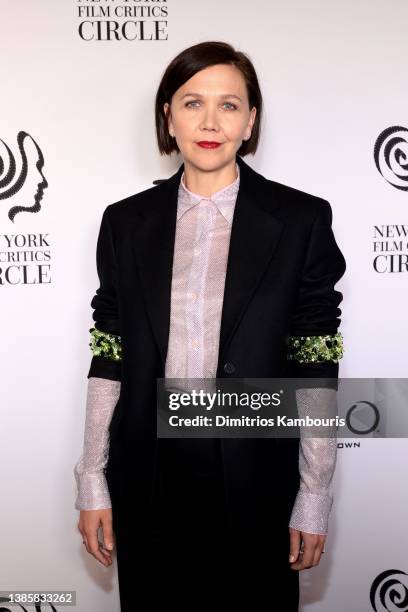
(105, 345)
(308, 349)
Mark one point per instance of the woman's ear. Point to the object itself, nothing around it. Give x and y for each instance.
(251, 123)
(167, 113)
(252, 118)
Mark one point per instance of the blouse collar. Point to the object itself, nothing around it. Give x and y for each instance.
(224, 198)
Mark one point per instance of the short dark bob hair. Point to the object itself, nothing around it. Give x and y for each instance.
(185, 65)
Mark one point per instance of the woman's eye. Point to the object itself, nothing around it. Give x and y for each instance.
(197, 102)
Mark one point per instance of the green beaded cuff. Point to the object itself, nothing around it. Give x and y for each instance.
(105, 345)
(308, 349)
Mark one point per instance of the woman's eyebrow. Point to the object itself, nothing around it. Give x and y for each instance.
(221, 96)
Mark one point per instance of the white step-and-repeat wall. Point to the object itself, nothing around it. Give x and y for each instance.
(77, 133)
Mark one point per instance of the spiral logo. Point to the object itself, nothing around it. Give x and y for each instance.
(389, 592)
(10, 184)
(391, 156)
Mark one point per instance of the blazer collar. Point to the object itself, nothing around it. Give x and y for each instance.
(255, 233)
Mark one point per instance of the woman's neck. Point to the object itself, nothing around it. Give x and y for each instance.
(208, 182)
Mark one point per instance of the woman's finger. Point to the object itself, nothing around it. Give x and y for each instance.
(308, 552)
(318, 553)
(107, 531)
(106, 553)
(93, 547)
(295, 541)
(311, 554)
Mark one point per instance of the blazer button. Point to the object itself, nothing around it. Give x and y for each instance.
(229, 367)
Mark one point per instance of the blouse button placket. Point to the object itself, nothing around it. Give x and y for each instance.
(195, 306)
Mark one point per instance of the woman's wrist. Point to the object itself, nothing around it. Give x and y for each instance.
(93, 491)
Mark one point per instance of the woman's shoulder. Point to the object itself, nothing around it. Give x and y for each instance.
(296, 204)
(291, 202)
(124, 210)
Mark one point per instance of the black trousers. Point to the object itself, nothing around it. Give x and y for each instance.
(191, 555)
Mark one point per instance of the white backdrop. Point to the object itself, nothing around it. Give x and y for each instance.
(332, 77)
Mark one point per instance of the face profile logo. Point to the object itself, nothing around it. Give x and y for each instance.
(12, 182)
(389, 592)
(391, 156)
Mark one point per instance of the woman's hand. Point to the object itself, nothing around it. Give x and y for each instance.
(309, 556)
(88, 525)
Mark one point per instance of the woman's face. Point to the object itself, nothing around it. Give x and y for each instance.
(211, 106)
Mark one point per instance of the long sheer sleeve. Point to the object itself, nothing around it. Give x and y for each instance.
(102, 397)
(317, 462)
(315, 347)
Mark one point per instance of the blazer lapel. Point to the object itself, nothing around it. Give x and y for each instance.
(255, 233)
(153, 240)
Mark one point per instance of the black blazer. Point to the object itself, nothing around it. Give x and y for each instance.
(283, 264)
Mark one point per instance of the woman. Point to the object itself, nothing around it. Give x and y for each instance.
(214, 272)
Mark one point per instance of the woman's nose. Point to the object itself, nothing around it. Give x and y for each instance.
(210, 119)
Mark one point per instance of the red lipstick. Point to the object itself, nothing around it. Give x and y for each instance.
(206, 144)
